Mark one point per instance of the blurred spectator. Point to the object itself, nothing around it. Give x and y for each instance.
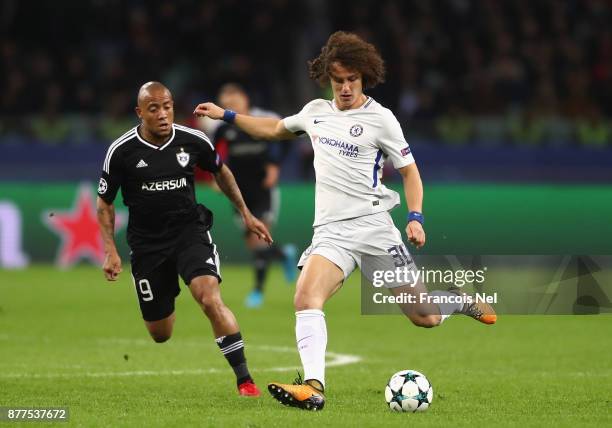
(51, 126)
(528, 128)
(547, 64)
(593, 131)
(577, 102)
(117, 117)
(456, 126)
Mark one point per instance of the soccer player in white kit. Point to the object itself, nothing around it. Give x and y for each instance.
(352, 135)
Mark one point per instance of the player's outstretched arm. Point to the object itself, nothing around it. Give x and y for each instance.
(260, 128)
(413, 190)
(106, 220)
(227, 183)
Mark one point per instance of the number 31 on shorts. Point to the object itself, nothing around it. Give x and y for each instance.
(400, 255)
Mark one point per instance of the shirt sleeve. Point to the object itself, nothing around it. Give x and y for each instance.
(209, 159)
(393, 143)
(111, 177)
(297, 122)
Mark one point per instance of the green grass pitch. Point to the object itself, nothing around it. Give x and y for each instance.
(68, 338)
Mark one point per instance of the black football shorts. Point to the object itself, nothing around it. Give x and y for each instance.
(157, 284)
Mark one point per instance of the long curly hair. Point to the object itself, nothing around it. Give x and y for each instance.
(352, 52)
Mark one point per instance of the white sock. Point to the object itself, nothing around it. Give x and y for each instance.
(447, 309)
(311, 337)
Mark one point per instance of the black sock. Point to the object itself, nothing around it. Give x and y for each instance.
(233, 348)
(261, 262)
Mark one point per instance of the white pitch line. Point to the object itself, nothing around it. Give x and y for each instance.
(334, 360)
(107, 374)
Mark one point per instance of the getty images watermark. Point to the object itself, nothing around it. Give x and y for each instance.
(531, 284)
(407, 278)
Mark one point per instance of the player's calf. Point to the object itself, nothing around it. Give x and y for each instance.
(213, 307)
(421, 315)
(205, 290)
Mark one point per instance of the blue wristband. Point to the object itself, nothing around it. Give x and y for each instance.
(229, 116)
(417, 216)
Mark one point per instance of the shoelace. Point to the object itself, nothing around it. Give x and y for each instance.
(298, 380)
(473, 311)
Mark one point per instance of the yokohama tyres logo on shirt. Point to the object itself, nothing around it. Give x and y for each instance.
(156, 186)
(344, 148)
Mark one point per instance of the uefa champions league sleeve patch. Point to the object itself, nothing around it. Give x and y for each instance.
(102, 186)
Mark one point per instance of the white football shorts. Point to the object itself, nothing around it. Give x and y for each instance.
(346, 243)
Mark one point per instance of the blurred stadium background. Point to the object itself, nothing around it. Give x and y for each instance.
(506, 104)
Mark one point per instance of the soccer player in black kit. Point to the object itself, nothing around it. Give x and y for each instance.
(168, 232)
(255, 166)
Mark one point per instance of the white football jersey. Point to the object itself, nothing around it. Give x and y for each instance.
(350, 148)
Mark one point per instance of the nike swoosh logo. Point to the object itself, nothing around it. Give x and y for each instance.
(318, 121)
(304, 338)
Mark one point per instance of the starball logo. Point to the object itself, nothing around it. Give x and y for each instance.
(344, 149)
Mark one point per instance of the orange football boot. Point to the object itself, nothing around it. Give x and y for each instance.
(300, 394)
(480, 311)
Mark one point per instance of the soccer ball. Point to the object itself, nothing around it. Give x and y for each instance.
(409, 391)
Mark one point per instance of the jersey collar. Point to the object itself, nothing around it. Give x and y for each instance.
(365, 105)
(153, 146)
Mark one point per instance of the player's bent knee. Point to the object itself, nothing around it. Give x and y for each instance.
(209, 301)
(160, 338)
(426, 321)
(161, 330)
(304, 301)
(213, 305)
(205, 290)
(160, 335)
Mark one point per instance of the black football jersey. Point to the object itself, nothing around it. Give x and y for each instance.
(157, 183)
